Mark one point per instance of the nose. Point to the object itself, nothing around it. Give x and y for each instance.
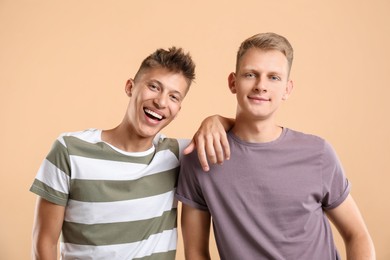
(259, 86)
(160, 101)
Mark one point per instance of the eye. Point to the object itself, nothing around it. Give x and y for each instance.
(154, 87)
(250, 75)
(274, 77)
(175, 98)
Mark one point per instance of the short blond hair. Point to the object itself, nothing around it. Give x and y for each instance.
(267, 41)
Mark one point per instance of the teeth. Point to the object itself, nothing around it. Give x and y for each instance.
(154, 114)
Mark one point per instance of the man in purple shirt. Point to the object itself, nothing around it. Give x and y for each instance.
(275, 196)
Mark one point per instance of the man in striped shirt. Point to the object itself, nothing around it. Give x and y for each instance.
(110, 193)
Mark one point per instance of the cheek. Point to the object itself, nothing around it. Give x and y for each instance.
(175, 108)
(145, 95)
(240, 95)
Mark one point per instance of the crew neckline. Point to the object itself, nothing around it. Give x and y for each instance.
(258, 144)
(135, 154)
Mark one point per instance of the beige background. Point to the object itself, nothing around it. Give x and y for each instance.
(63, 66)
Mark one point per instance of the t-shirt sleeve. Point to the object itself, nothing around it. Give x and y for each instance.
(53, 178)
(335, 184)
(188, 189)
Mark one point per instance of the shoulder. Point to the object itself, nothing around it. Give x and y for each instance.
(85, 137)
(88, 134)
(313, 144)
(175, 145)
(304, 139)
(303, 135)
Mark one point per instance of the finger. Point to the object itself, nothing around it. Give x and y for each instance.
(210, 149)
(218, 151)
(190, 147)
(225, 146)
(200, 147)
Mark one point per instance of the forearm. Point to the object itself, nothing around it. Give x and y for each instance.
(349, 222)
(360, 248)
(44, 251)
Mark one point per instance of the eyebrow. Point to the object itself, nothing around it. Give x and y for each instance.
(163, 86)
(253, 70)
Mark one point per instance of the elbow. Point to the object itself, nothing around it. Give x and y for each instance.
(197, 255)
(360, 246)
(43, 249)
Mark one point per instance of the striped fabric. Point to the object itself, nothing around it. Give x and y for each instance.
(119, 205)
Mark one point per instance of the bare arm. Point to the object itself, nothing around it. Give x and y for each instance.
(211, 140)
(196, 233)
(46, 229)
(349, 222)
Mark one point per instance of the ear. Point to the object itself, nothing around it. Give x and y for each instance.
(289, 88)
(129, 87)
(232, 82)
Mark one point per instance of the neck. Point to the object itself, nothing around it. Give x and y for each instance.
(127, 140)
(257, 132)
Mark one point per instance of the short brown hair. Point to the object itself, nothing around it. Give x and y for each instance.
(173, 59)
(267, 41)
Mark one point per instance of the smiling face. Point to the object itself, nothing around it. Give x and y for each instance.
(155, 100)
(260, 83)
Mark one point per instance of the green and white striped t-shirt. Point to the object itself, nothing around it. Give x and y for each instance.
(119, 205)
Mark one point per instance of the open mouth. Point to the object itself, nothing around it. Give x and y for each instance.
(153, 115)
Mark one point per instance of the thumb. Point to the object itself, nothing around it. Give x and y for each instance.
(189, 147)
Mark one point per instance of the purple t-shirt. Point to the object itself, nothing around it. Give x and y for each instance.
(269, 200)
